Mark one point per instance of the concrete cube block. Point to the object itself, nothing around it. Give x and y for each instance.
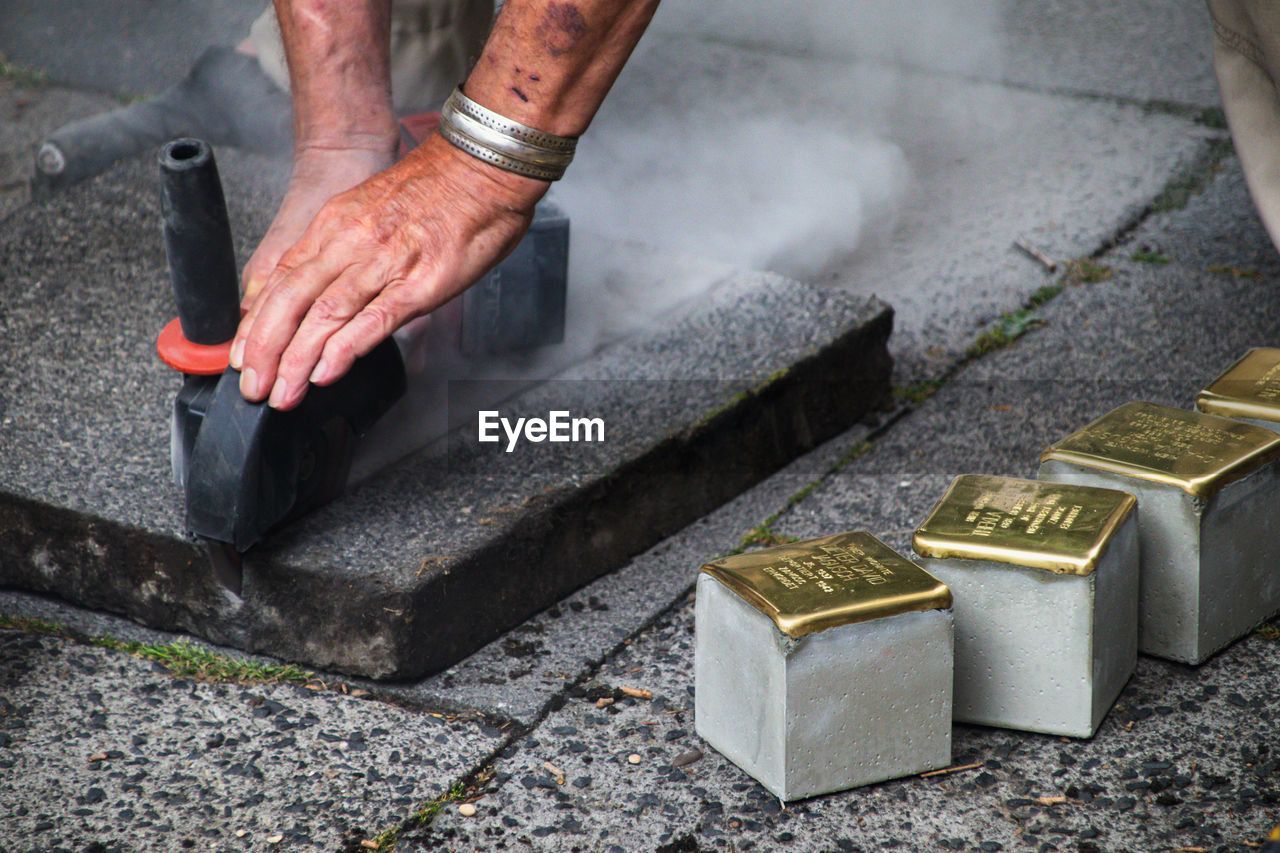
(1045, 582)
(824, 665)
(1248, 390)
(1208, 492)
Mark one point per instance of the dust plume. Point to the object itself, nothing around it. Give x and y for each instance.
(762, 135)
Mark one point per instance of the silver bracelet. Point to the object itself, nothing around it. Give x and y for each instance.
(504, 143)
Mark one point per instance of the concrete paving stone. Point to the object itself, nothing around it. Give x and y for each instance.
(1185, 759)
(520, 674)
(1146, 50)
(100, 748)
(370, 584)
(133, 47)
(1151, 50)
(907, 185)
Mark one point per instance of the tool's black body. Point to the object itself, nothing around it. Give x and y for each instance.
(252, 467)
(520, 304)
(245, 467)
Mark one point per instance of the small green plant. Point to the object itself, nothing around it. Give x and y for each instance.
(181, 657)
(26, 78)
(1267, 631)
(387, 839)
(1085, 271)
(1045, 294)
(859, 449)
(1149, 256)
(915, 393)
(1009, 327)
(30, 626)
(1234, 272)
(763, 536)
(186, 659)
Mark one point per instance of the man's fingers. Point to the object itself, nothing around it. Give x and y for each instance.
(290, 225)
(251, 304)
(341, 301)
(260, 267)
(275, 316)
(373, 324)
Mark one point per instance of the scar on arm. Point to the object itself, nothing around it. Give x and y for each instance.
(521, 95)
(562, 28)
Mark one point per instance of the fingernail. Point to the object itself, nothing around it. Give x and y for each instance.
(249, 384)
(279, 394)
(321, 373)
(237, 353)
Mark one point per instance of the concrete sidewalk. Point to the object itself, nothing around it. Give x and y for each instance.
(1101, 156)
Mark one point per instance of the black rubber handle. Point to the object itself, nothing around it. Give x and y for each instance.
(197, 238)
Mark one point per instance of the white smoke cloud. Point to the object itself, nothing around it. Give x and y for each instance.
(762, 135)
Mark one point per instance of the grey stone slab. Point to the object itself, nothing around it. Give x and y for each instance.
(134, 46)
(431, 559)
(909, 185)
(522, 673)
(1175, 764)
(1147, 50)
(205, 766)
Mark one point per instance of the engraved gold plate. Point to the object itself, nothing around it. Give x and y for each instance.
(1250, 388)
(1041, 525)
(811, 586)
(1197, 453)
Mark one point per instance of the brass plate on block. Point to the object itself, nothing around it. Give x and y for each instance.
(1250, 388)
(1198, 453)
(806, 587)
(1032, 523)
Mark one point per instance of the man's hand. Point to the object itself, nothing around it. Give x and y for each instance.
(395, 247)
(335, 276)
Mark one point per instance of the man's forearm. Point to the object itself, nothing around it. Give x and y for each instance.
(549, 63)
(338, 54)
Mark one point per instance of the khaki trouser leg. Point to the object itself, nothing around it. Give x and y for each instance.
(1246, 58)
(433, 45)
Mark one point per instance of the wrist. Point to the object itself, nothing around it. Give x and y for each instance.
(516, 193)
(380, 144)
(371, 130)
